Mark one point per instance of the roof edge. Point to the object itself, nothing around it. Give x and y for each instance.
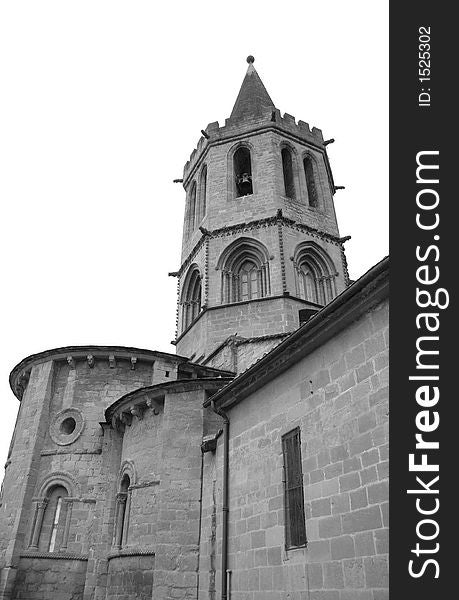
(61, 353)
(163, 387)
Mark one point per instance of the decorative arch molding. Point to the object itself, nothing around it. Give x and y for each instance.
(315, 273)
(244, 265)
(59, 478)
(192, 270)
(127, 468)
(231, 252)
(50, 498)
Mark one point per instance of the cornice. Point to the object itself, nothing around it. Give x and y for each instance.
(134, 404)
(131, 552)
(55, 556)
(21, 372)
(276, 219)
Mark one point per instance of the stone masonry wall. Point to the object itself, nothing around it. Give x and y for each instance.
(59, 389)
(246, 319)
(44, 579)
(338, 396)
(130, 578)
(224, 208)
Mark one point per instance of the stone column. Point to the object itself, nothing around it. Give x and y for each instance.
(125, 524)
(121, 498)
(40, 508)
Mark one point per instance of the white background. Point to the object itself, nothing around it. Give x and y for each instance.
(101, 104)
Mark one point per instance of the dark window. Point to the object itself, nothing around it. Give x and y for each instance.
(203, 194)
(295, 525)
(310, 183)
(305, 314)
(243, 171)
(287, 168)
(123, 502)
(192, 213)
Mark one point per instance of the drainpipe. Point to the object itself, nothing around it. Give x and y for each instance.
(198, 567)
(225, 507)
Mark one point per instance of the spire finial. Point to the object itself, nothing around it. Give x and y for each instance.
(250, 59)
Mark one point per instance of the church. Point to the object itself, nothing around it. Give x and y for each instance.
(251, 464)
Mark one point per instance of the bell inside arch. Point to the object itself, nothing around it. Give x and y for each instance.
(244, 184)
(243, 171)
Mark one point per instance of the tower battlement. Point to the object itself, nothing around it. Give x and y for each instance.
(268, 120)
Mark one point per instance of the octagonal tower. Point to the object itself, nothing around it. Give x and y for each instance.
(261, 247)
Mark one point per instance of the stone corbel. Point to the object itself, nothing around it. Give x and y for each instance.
(152, 404)
(133, 362)
(71, 362)
(111, 361)
(126, 418)
(117, 424)
(90, 359)
(136, 411)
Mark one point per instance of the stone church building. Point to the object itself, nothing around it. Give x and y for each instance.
(253, 463)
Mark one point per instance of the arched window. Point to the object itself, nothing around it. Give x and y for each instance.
(192, 208)
(123, 502)
(311, 182)
(287, 168)
(315, 274)
(191, 298)
(203, 194)
(51, 515)
(245, 271)
(242, 164)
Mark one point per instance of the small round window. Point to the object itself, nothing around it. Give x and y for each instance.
(66, 426)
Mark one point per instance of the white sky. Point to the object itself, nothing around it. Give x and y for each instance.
(101, 104)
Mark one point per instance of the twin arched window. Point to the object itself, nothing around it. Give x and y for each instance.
(191, 297)
(315, 274)
(245, 271)
(310, 173)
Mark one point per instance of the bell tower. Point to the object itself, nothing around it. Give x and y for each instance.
(261, 249)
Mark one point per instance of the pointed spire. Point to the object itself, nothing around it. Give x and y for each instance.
(252, 97)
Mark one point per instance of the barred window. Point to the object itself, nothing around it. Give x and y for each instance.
(295, 524)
